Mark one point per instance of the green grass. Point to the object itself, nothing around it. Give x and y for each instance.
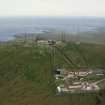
(26, 76)
(84, 55)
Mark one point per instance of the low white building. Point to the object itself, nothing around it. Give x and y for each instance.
(75, 87)
(42, 42)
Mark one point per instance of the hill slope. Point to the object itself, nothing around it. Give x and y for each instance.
(26, 76)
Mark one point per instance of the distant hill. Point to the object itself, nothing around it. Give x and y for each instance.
(97, 37)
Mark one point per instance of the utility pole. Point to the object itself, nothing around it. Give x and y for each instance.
(52, 53)
(63, 39)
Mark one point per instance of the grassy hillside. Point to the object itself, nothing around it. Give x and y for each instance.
(26, 76)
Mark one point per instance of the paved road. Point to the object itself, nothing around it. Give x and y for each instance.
(99, 81)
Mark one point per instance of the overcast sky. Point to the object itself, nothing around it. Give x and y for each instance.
(52, 7)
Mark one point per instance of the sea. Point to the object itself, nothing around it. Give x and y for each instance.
(11, 26)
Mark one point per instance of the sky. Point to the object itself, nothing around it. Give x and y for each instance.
(52, 7)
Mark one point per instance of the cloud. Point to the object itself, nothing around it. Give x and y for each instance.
(52, 7)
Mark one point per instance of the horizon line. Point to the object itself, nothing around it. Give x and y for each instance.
(52, 16)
